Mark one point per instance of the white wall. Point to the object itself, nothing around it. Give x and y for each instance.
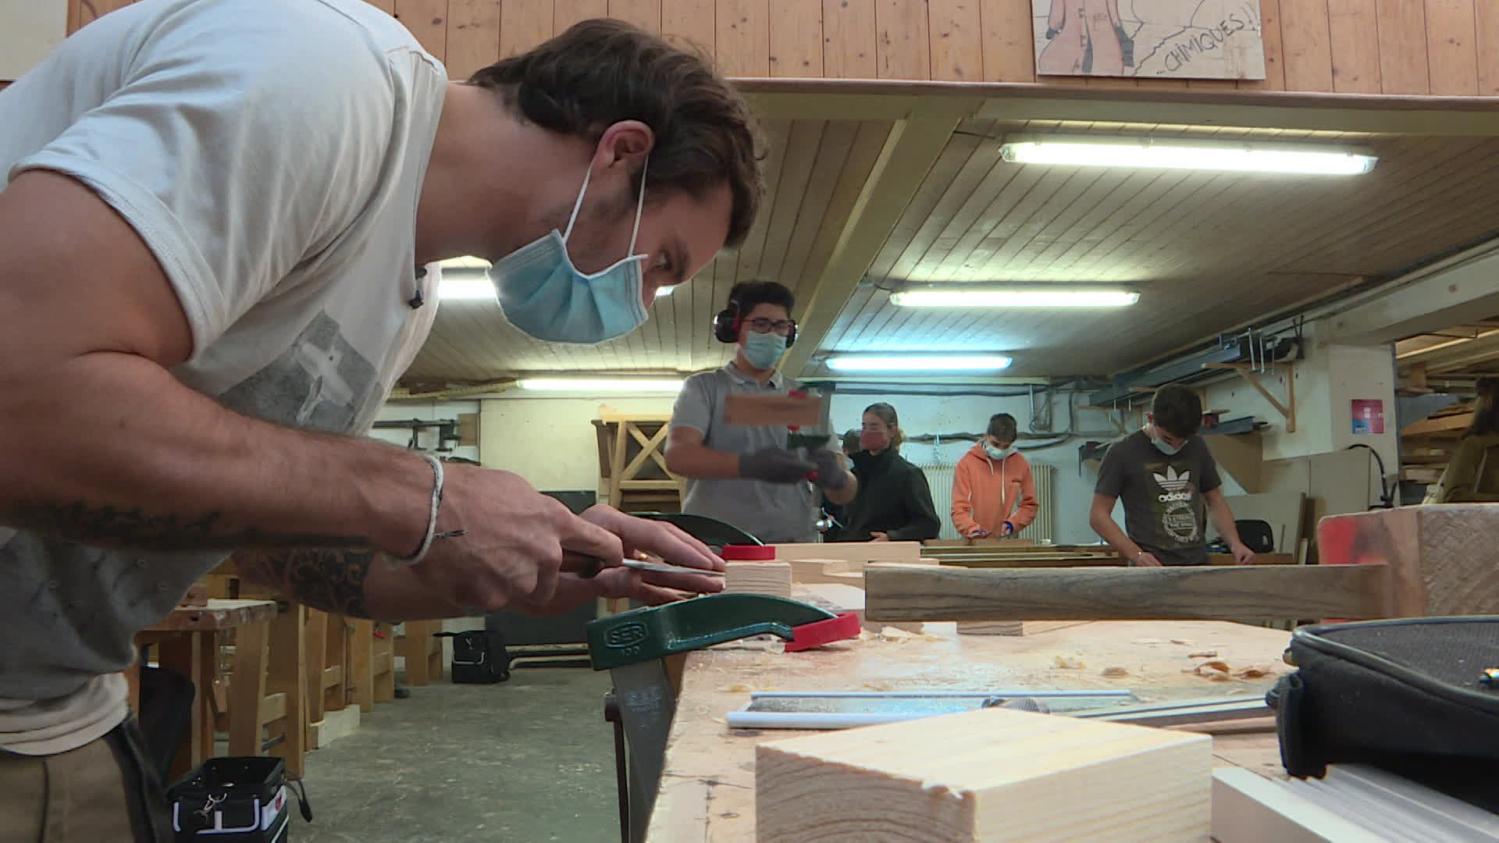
(920, 414)
(426, 411)
(551, 441)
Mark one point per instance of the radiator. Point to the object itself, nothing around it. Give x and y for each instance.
(939, 477)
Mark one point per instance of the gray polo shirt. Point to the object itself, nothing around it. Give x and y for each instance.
(771, 512)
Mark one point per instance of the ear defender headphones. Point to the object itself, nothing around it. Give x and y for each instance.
(726, 326)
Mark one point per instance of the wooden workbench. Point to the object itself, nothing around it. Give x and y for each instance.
(708, 787)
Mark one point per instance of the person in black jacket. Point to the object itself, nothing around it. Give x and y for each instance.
(894, 502)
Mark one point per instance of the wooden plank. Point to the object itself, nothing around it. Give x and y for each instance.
(796, 38)
(1353, 27)
(473, 38)
(766, 410)
(1440, 556)
(1402, 47)
(286, 673)
(428, 21)
(1009, 52)
(1307, 45)
(645, 14)
(524, 24)
(565, 13)
(1451, 57)
(689, 24)
(362, 662)
(991, 627)
(81, 13)
(902, 46)
(386, 6)
(1486, 42)
(317, 653)
(957, 40)
(743, 37)
(849, 36)
(1440, 425)
(758, 578)
(1258, 592)
(1275, 62)
(980, 776)
(247, 689)
(216, 614)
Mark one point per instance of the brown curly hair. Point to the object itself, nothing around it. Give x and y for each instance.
(602, 71)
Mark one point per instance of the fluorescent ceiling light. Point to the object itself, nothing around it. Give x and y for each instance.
(465, 288)
(1037, 295)
(918, 363)
(622, 384)
(1181, 154)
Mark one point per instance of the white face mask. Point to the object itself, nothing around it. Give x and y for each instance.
(996, 452)
(1162, 445)
(543, 294)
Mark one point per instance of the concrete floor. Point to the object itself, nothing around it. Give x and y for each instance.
(526, 760)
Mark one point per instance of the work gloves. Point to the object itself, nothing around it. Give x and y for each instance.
(775, 465)
(830, 473)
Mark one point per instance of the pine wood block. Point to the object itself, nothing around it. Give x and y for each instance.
(859, 553)
(994, 774)
(825, 570)
(991, 627)
(758, 578)
(1440, 557)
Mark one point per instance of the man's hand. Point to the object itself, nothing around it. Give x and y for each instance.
(668, 541)
(513, 543)
(1242, 554)
(774, 465)
(830, 472)
(1145, 560)
(876, 536)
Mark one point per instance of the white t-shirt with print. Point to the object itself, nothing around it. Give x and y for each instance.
(271, 154)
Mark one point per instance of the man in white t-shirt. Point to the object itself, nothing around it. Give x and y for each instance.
(214, 216)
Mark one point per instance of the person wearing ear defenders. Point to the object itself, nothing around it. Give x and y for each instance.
(744, 475)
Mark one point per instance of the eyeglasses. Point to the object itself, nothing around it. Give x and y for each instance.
(761, 325)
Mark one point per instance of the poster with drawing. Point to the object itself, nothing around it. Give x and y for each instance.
(1174, 39)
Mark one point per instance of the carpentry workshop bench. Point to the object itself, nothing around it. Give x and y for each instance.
(708, 784)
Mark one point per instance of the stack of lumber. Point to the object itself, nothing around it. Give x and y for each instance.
(1426, 446)
(993, 774)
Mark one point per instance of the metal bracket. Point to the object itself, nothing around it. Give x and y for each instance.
(1286, 408)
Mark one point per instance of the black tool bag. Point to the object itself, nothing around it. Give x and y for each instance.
(479, 657)
(1409, 695)
(234, 800)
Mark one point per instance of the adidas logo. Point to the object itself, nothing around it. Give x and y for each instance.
(1177, 486)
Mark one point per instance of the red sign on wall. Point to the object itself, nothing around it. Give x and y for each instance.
(1368, 415)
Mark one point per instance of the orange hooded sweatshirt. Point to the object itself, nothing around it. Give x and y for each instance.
(987, 492)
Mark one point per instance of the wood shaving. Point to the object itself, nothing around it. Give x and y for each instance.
(1150, 641)
(1254, 671)
(1186, 642)
(1069, 663)
(1114, 672)
(892, 633)
(737, 687)
(1203, 654)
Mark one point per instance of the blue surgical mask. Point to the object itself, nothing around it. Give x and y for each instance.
(545, 296)
(996, 452)
(1162, 445)
(763, 350)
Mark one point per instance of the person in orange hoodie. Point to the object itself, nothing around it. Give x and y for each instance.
(993, 490)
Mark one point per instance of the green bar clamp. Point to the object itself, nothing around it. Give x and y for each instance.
(654, 632)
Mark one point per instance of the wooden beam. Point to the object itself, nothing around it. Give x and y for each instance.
(1258, 592)
(985, 775)
(1449, 293)
(911, 149)
(848, 99)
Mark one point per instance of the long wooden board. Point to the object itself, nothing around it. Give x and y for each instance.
(1269, 592)
(986, 775)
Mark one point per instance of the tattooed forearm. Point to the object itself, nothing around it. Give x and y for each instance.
(331, 580)
(136, 528)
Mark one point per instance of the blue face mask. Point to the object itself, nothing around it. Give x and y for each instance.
(763, 350)
(996, 452)
(545, 296)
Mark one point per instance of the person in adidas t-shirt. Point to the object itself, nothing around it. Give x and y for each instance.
(1169, 483)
